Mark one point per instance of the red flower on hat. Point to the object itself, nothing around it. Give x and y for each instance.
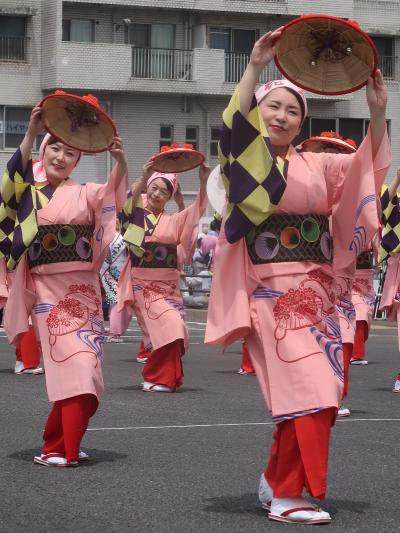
(351, 142)
(331, 135)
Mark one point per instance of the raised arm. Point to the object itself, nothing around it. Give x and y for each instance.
(392, 189)
(139, 186)
(377, 100)
(263, 52)
(34, 128)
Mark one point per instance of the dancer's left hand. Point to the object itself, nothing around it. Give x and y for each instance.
(376, 94)
(117, 150)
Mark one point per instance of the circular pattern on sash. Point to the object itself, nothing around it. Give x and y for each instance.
(266, 245)
(310, 230)
(290, 237)
(171, 261)
(83, 248)
(326, 245)
(160, 253)
(50, 242)
(148, 256)
(67, 236)
(35, 249)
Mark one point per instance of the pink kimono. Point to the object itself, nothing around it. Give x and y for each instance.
(154, 292)
(390, 299)
(286, 311)
(64, 297)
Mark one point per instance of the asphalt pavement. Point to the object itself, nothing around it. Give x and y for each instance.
(191, 461)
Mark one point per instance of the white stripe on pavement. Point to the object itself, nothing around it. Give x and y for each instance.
(239, 424)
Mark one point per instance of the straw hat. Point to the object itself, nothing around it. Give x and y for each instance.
(78, 121)
(330, 137)
(326, 55)
(176, 158)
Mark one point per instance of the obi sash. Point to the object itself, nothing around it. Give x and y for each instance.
(286, 238)
(158, 255)
(60, 243)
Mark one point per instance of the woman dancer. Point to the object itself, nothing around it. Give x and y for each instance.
(150, 279)
(68, 228)
(390, 250)
(273, 281)
(109, 275)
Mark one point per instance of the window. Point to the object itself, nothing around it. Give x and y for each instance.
(14, 123)
(214, 140)
(12, 38)
(386, 59)
(166, 135)
(192, 136)
(349, 128)
(237, 45)
(233, 40)
(139, 35)
(322, 124)
(352, 128)
(78, 30)
(153, 52)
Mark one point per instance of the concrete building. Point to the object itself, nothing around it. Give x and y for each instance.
(164, 69)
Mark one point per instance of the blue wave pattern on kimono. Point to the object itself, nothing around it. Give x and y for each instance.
(331, 345)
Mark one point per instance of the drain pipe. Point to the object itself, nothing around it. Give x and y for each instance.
(207, 125)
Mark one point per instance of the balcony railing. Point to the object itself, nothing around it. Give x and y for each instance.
(162, 63)
(389, 67)
(236, 63)
(13, 48)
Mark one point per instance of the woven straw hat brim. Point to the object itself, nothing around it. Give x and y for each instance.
(329, 140)
(177, 160)
(78, 123)
(343, 68)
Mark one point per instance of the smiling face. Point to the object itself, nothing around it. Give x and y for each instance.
(158, 195)
(282, 116)
(59, 161)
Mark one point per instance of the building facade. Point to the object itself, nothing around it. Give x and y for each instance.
(164, 69)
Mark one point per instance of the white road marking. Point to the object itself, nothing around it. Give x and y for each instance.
(239, 424)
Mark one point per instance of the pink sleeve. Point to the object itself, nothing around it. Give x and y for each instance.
(106, 201)
(339, 167)
(186, 226)
(356, 181)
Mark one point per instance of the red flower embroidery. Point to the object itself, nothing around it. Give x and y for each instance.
(64, 312)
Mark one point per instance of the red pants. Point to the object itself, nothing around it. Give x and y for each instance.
(142, 352)
(164, 366)
(246, 363)
(67, 423)
(299, 455)
(347, 355)
(359, 339)
(28, 350)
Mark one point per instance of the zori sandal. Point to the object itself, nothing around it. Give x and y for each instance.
(297, 511)
(54, 459)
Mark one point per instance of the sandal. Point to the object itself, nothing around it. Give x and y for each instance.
(265, 493)
(297, 511)
(153, 387)
(53, 459)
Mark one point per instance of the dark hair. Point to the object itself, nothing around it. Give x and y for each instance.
(300, 101)
(215, 225)
(52, 140)
(169, 186)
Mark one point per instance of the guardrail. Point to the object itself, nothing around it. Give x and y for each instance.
(162, 63)
(13, 48)
(236, 63)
